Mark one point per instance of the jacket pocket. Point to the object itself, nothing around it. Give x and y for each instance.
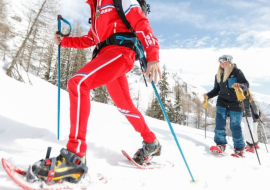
(231, 81)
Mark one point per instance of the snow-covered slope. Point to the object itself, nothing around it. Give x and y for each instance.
(28, 125)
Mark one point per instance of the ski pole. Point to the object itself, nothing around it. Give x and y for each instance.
(251, 133)
(172, 131)
(264, 130)
(143, 64)
(59, 19)
(205, 106)
(264, 134)
(264, 140)
(205, 121)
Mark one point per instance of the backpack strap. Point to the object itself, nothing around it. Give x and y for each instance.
(119, 8)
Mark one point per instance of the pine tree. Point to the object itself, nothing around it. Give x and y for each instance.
(138, 99)
(169, 109)
(5, 29)
(178, 113)
(154, 109)
(101, 95)
(198, 112)
(10, 71)
(48, 59)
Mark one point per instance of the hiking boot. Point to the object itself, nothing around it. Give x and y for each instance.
(146, 153)
(66, 167)
(239, 153)
(222, 147)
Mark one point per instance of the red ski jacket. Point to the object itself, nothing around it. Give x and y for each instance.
(108, 22)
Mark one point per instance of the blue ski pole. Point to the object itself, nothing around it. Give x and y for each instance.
(59, 19)
(172, 131)
(143, 63)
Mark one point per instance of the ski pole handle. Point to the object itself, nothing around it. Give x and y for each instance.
(59, 19)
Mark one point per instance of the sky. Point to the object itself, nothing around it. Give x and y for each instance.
(207, 29)
(28, 125)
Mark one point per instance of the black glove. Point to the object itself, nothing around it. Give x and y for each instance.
(256, 116)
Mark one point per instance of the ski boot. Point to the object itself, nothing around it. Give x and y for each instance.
(146, 153)
(66, 167)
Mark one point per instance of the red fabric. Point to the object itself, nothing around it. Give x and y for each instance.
(109, 23)
(108, 68)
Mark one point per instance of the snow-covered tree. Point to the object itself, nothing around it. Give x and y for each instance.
(154, 110)
(5, 28)
(101, 95)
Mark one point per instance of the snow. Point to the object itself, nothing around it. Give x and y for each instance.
(28, 125)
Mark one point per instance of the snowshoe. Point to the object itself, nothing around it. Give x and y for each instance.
(146, 153)
(66, 167)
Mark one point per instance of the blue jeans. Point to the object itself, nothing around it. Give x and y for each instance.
(235, 125)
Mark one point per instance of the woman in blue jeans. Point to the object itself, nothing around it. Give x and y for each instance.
(227, 103)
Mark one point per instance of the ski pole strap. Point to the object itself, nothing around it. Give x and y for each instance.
(51, 172)
(60, 18)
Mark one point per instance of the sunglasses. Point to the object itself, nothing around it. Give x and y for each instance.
(222, 59)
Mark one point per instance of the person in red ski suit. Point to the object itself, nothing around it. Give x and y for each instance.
(109, 68)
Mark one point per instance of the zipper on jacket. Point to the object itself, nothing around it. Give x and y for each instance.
(115, 24)
(97, 10)
(93, 16)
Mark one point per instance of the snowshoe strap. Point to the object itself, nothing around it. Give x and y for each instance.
(51, 172)
(73, 159)
(48, 153)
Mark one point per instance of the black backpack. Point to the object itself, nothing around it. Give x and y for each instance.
(118, 6)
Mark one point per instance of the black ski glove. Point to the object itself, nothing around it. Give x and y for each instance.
(256, 116)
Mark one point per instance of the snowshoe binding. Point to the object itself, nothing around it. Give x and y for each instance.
(65, 167)
(238, 153)
(250, 148)
(146, 153)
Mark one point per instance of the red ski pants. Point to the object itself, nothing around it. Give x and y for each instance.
(108, 68)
